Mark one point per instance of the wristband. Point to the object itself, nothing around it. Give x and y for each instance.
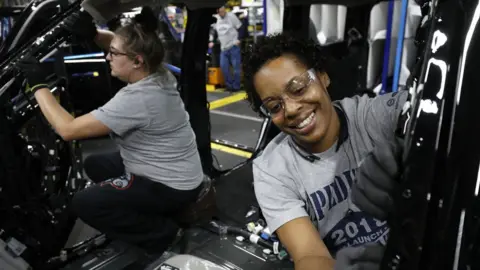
(36, 87)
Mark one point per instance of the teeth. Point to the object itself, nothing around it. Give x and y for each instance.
(307, 121)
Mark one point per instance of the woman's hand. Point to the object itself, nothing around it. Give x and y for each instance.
(81, 25)
(36, 76)
(68, 127)
(376, 180)
(365, 257)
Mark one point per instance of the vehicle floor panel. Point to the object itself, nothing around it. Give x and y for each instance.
(212, 96)
(236, 130)
(240, 108)
(235, 195)
(226, 160)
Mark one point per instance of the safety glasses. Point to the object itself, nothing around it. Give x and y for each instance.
(114, 53)
(296, 89)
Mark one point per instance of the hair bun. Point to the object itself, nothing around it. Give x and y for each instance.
(147, 19)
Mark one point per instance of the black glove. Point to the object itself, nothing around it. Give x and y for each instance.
(365, 257)
(376, 180)
(81, 25)
(36, 76)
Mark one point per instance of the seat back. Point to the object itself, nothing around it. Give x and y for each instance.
(268, 131)
(203, 209)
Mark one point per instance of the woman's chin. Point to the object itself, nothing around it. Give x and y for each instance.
(115, 75)
(312, 141)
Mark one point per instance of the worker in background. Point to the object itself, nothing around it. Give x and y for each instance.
(324, 183)
(157, 170)
(227, 26)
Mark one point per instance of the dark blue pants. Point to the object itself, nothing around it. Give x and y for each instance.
(231, 57)
(130, 208)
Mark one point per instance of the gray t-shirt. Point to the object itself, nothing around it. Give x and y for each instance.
(227, 30)
(152, 129)
(290, 183)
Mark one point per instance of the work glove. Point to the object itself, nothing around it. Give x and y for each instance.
(366, 257)
(377, 179)
(36, 76)
(81, 25)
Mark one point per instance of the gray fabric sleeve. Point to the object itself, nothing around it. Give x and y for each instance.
(235, 21)
(380, 115)
(124, 112)
(279, 203)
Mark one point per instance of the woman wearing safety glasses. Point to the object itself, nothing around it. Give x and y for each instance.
(318, 186)
(157, 170)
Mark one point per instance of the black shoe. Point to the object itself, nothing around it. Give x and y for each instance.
(179, 244)
(148, 260)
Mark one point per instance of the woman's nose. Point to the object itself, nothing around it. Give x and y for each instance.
(291, 107)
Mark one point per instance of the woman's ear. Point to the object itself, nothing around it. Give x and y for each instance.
(138, 61)
(324, 78)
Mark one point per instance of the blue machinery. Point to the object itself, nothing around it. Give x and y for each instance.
(386, 52)
(164, 17)
(398, 55)
(399, 49)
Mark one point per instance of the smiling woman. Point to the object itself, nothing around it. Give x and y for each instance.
(305, 176)
(298, 102)
(284, 85)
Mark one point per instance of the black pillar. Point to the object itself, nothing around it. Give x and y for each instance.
(296, 20)
(192, 80)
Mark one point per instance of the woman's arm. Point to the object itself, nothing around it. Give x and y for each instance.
(104, 38)
(285, 214)
(82, 26)
(68, 127)
(305, 245)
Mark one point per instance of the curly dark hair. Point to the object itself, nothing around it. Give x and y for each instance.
(271, 47)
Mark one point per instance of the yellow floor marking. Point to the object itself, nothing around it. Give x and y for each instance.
(218, 90)
(210, 88)
(223, 102)
(213, 88)
(230, 150)
(227, 100)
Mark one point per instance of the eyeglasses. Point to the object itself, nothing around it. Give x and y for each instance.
(296, 89)
(114, 53)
